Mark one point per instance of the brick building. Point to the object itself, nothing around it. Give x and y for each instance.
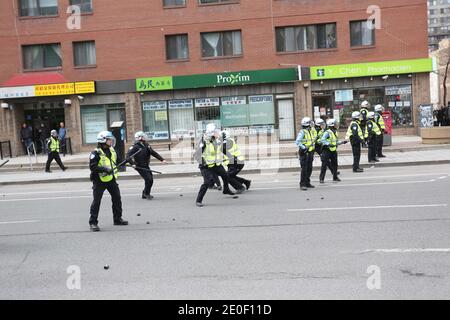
(169, 67)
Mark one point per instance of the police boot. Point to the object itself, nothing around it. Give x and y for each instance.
(94, 227)
(120, 222)
(358, 170)
(247, 184)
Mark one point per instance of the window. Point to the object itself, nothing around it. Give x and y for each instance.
(96, 118)
(85, 5)
(155, 120)
(215, 1)
(361, 35)
(181, 119)
(41, 56)
(84, 53)
(174, 3)
(219, 44)
(302, 38)
(177, 47)
(35, 8)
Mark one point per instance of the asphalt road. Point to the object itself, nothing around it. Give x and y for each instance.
(383, 234)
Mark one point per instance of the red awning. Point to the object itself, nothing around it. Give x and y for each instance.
(34, 78)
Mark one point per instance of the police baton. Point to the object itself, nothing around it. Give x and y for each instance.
(144, 169)
(1, 165)
(128, 158)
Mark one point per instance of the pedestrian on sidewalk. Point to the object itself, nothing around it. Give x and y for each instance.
(356, 136)
(26, 136)
(53, 148)
(380, 123)
(330, 143)
(43, 136)
(62, 137)
(141, 161)
(234, 159)
(372, 132)
(306, 144)
(104, 175)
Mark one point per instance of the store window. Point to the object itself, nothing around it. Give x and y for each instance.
(181, 119)
(155, 120)
(207, 110)
(399, 102)
(96, 118)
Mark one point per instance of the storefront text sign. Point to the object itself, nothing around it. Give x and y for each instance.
(343, 95)
(43, 90)
(207, 102)
(371, 69)
(16, 92)
(54, 89)
(154, 84)
(84, 87)
(397, 90)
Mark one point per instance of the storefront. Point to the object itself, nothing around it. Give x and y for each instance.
(42, 107)
(245, 102)
(400, 86)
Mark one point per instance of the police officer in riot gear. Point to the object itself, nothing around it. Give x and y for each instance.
(364, 110)
(210, 158)
(233, 158)
(53, 147)
(104, 175)
(380, 123)
(306, 144)
(356, 136)
(141, 161)
(372, 133)
(330, 142)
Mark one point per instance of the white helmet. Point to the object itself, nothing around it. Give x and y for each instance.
(141, 136)
(54, 133)
(210, 128)
(378, 108)
(306, 121)
(104, 135)
(371, 115)
(356, 115)
(319, 122)
(331, 122)
(365, 104)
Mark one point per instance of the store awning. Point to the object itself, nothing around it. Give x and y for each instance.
(34, 78)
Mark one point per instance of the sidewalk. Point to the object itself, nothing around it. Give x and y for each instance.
(266, 165)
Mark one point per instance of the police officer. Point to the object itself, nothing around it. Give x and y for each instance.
(372, 133)
(364, 110)
(53, 147)
(330, 142)
(356, 136)
(234, 160)
(104, 174)
(380, 123)
(210, 159)
(306, 144)
(141, 161)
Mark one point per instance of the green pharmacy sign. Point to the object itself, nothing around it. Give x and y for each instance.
(371, 69)
(154, 84)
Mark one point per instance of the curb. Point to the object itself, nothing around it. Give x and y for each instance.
(250, 171)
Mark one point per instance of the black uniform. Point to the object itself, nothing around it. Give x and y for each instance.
(331, 157)
(142, 160)
(235, 165)
(99, 188)
(53, 155)
(371, 141)
(356, 142)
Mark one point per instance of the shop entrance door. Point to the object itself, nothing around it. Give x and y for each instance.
(286, 119)
(324, 104)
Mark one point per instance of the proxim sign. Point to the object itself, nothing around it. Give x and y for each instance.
(232, 78)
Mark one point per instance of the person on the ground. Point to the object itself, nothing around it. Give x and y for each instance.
(104, 175)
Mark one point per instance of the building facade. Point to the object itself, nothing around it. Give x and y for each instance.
(438, 22)
(169, 67)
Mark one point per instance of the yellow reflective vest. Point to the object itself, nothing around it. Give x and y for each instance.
(350, 130)
(109, 163)
(54, 144)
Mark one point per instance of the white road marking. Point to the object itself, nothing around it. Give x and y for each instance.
(16, 222)
(413, 250)
(372, 207)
